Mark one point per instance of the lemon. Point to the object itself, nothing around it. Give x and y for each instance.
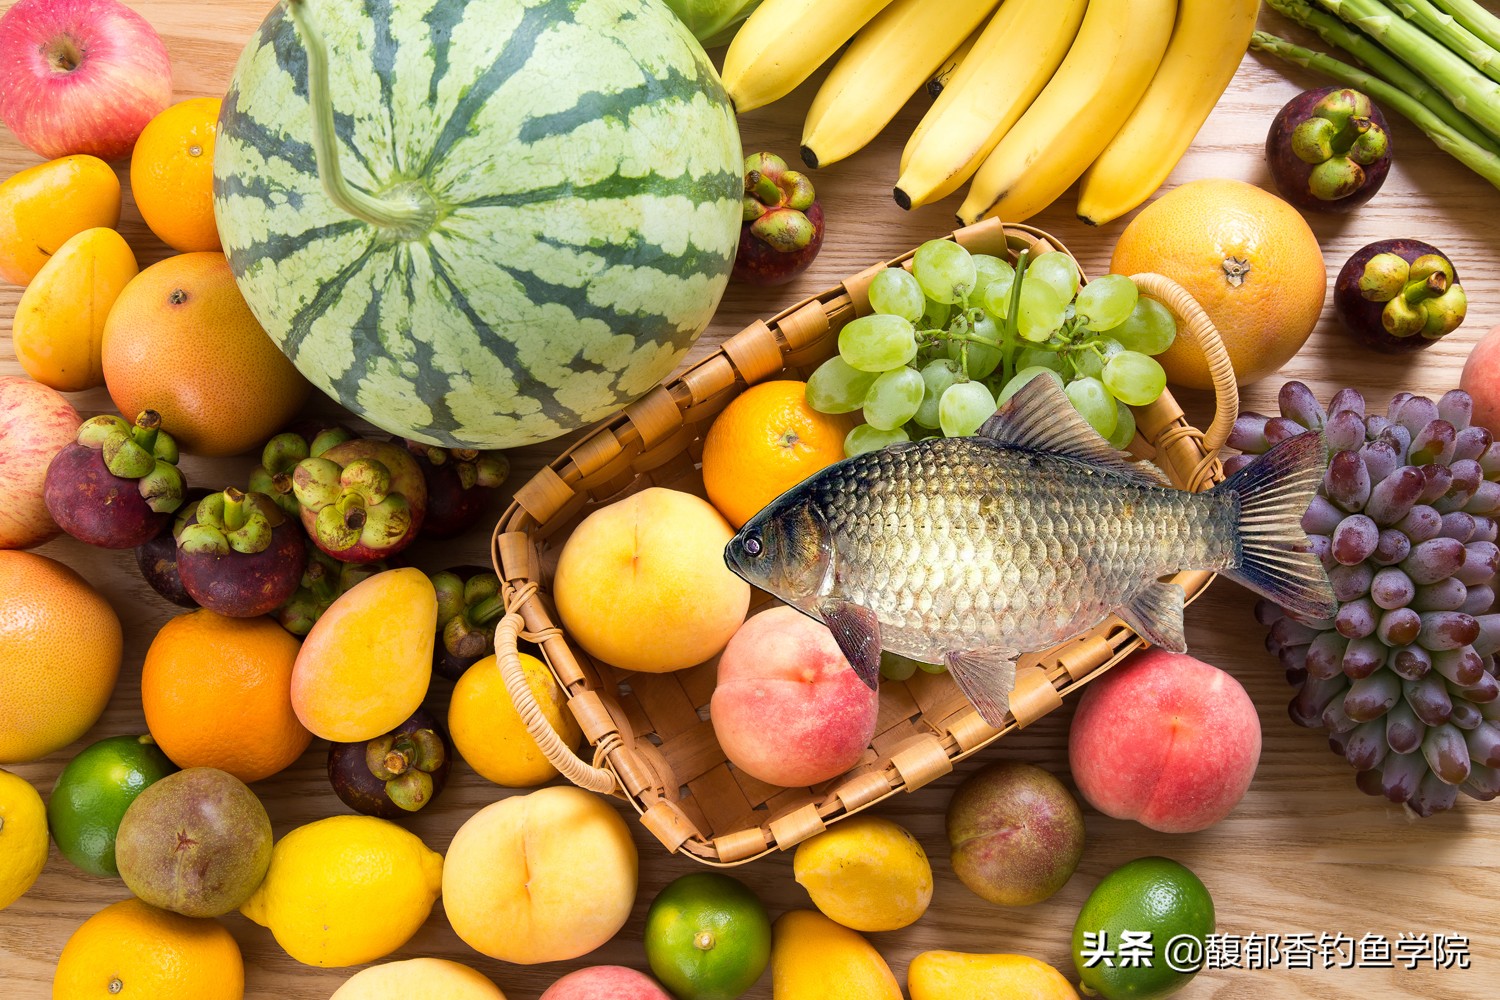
(867, 873)
(813, 958)
(23, 837)
(488, 731)
(707, 937)
(346, 890)
(418, 977)
(1141, 932)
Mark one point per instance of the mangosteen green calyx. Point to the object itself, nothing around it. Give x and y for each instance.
(361, 500)
(460, 482)
(469, 606)
(782, 223)
(279, 458)
(396, 774)
(323, 581)
(239, 555)
(118, 484)
(1399, 295)
(1329, 149)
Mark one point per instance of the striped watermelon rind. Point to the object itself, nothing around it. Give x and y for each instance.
(582, 168)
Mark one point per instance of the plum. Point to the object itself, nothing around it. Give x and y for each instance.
(1399, 295)
(395, 774)
(782, 227)
(361, 500)
(117, 485)
(460, 484)
(157, 558)
(469, 606)
(1016, 833)
(1329, 150)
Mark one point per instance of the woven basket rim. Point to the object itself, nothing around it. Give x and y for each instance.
(653, 435)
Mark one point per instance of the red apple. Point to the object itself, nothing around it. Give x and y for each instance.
(35, 423)
(81, 76)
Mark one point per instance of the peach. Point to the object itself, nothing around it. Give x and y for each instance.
(788, 708)
(606, 982)
(642, 583)
(1481, 379)
(1166, 740)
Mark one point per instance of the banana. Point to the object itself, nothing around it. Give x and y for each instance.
(1205, 50)
(888, 61)
(1012, 60)
(783, 41)
(950, 66)
(1119, 46)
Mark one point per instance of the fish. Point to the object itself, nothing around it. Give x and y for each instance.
(970, 551)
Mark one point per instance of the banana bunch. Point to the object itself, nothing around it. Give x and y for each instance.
(1031, 95)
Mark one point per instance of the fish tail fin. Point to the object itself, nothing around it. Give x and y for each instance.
(1272, 554)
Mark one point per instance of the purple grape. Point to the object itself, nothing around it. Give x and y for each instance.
(1413, 412)
(1347, 481)
(1392, 498)
(1268, 613)
(1447, 753)
(1344, 431)
(1364, 656)
(1376, 425)
(1390, 588)
(1393, 547)
(1411, 662)
(1249, 433)
(1456, 407)
(1403, 730)
(1483, 693)
(1357, 618)
(1325, 656)
(1433, 560)
(1479, 601)
(1483, 783)
(1381, 456)
(1348, 400)
(1434, 795)
(1234, 463)
(1439, 479)
(1448, 630)
(1321, 547)
(1481, 561)
(1433, 443)
(1371, 697)
(1461, 666)
(1354, 539)
(1369, 782)
(1429, 699)
(1399, 627)
(1472, 442)
(1484, 744)
(1458, 526)
(1321, 517)
(1365, 746)
(1486, 499)
(1289, 632)
(1490, 460)
(1279, 429)
(1489, 635)
(1401, 775)
(1445, 595)
(1467, 475)
(1306, 708)
(1298, 403)
(1351, 582)
(1421, 524)
(1466, 714)
(1485, 529)
(1335, 719)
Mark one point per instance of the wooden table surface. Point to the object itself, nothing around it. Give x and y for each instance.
(1305, 852)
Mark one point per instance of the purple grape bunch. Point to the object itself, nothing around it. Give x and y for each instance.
(1404, 676)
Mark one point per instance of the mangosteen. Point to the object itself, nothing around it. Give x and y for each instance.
(1399, 295)
(239, 555)
(460, 484)
(782, 227)
(157, 558)
(361, 500)
(117, 485)
(323, 581)
(469, 606)
(396, 774)
(1329, 150)
(279, 458)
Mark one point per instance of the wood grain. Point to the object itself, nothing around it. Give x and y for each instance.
(1304, 852)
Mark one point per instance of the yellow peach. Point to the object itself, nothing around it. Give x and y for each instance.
(59, 326)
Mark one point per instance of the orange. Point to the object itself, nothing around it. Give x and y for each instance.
(172, 174)
(180, 340)
(60, 644)
(765, 442)
(129, 949)
(217, 693)
(488, 732)
(1248, 258)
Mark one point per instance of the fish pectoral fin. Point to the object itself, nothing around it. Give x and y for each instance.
(986, 676)
(857, 632)
(1155, 612)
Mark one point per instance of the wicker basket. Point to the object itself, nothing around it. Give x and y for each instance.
(651, 738)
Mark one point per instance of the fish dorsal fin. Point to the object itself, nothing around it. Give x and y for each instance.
(1041, 418)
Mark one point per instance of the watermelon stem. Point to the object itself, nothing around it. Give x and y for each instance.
(412, 214)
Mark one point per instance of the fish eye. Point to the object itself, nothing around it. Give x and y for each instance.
(752, 546)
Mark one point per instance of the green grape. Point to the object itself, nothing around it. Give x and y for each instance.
(878, 342)
(835, 387)
(1057, 270)
(987, 269)
(1091, 399)
(866, 438)
(1105, 302)
(1090, 364)
(945, 270)
(1134, 378)
(894, 667)
(937, 376)
(1040, 357)
(996, 296)
(932, 668)
(893, 398)
(1040, 311)
(1150, 328)
(896, 293)
(934, 315)
(1124, 431)
(964, 407)
(1022, 377)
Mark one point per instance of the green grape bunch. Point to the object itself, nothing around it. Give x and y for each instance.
(960, 333)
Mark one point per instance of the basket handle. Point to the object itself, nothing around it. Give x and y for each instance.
(1201, 331)
(557, 752)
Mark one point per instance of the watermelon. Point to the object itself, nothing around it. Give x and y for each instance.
(479, 223)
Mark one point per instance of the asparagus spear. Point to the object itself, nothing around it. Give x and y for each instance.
(1474, 17)
(1382, 64)
(1470, 91)
(1447, 30)
(1478, 159)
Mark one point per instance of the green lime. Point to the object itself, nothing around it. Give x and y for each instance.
(92, 794)
(1142, 931)
(707, 937)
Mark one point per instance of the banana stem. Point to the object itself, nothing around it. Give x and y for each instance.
(1483, 161)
